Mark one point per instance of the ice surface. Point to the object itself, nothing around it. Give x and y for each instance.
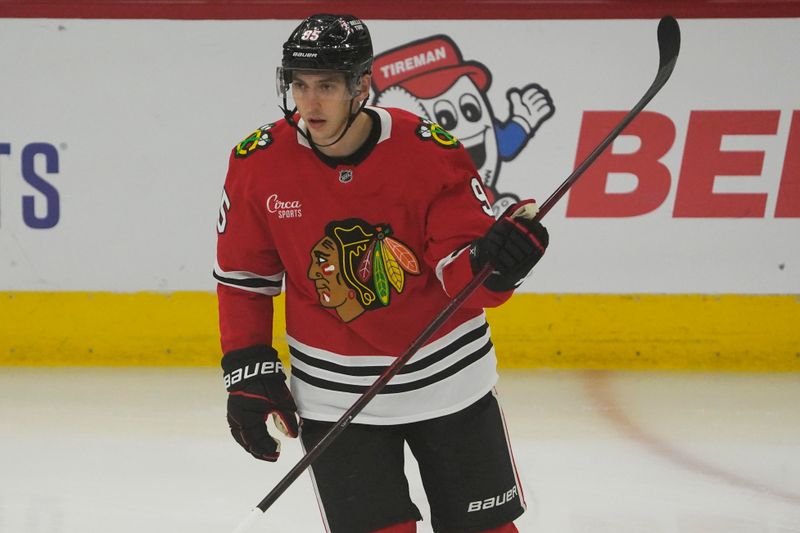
(147, 450)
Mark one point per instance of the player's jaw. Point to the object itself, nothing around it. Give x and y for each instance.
(326, 125)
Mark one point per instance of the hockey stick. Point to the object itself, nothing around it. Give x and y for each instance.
(668, 48)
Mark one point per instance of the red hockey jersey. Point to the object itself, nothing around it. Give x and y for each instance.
(369, 248)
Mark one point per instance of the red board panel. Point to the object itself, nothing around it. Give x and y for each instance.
(399, 9)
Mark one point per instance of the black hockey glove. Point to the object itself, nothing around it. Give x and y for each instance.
(513, 245)
(257, 388)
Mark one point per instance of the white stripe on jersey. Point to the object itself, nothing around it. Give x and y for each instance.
(440, 266)
(249, 281)
(445, 376)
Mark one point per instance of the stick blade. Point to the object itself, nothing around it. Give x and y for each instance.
(669, 42)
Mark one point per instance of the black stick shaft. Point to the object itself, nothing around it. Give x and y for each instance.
(375, 388)
(669, 45)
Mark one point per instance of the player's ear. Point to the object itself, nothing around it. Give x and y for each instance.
(363, 87)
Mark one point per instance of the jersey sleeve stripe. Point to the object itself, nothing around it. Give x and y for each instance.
(441, 265)
(248, 281)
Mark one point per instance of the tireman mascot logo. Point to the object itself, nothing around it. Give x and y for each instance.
(430, 78)
(355, 266)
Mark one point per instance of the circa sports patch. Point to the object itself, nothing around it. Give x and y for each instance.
(427, 130)
(258, 140)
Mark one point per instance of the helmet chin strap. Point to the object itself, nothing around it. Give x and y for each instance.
(289, 116)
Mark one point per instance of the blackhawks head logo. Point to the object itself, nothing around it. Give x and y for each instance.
(356, 264)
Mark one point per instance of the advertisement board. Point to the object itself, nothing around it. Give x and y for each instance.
(115, 135)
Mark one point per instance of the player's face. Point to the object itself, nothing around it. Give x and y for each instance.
(323, 101)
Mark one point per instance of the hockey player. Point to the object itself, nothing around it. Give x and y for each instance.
(372, 219)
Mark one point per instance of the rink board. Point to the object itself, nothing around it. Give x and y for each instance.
(670, 332)
(111, 184)
(116, 130)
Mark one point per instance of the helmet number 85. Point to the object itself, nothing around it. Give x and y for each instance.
(310, 35)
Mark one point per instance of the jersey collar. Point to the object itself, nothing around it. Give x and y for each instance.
(380, 131)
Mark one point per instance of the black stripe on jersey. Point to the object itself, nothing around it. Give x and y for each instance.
(431, 359)
(398, 387)
(252, 283)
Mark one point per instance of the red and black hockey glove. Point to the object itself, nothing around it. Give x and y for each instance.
(513, 245)
(257, 388)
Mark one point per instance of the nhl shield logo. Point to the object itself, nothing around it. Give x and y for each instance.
(345, 176)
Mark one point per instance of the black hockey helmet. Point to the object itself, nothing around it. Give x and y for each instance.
(327, 42)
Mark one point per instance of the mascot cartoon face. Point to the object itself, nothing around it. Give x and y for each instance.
(464, 111)
(429, 77)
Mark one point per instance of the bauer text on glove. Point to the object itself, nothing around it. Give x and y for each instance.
(256, 389)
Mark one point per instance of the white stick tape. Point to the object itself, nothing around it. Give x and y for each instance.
(251, 519)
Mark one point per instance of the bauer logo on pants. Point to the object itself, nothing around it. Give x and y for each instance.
(490, 503)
